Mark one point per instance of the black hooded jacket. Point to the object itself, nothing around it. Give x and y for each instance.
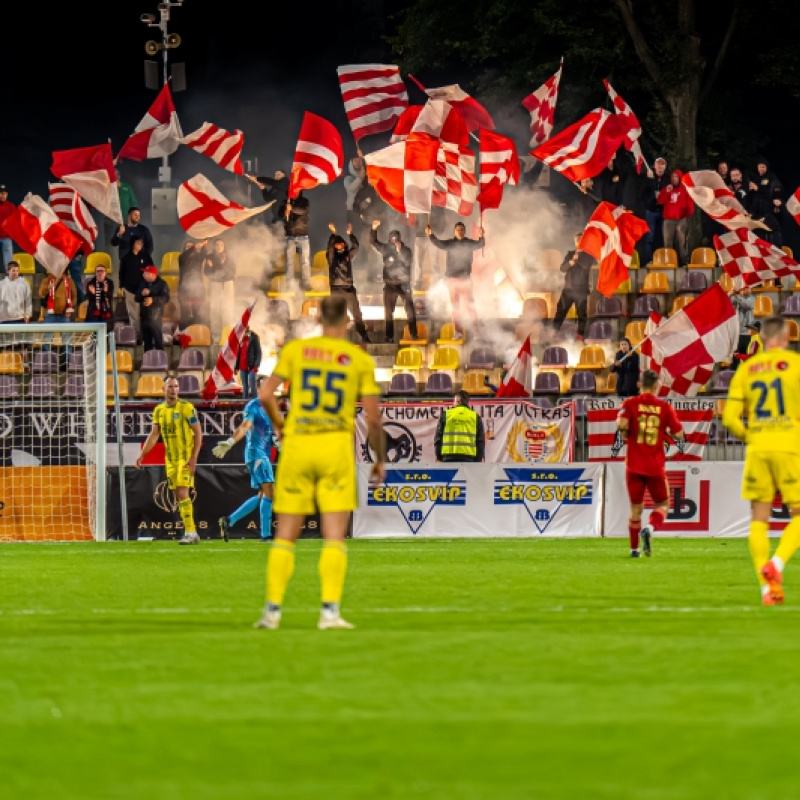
(297, 222)
(340, 263)
(397, 264)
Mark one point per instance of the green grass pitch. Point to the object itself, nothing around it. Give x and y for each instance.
(502, 669)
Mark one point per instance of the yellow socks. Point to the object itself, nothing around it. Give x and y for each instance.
(186, 510)
(280, 566)
(790, 540)
(332, 569)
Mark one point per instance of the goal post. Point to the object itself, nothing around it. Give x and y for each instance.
(52, 432)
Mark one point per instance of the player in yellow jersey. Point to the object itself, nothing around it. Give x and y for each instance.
(766, 388)
(175, 421)
(316, 471)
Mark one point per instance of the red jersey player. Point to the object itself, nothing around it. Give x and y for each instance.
(644, 422)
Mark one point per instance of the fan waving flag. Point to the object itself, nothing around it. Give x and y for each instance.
(34, 226)
(743, 255)
(499, 165)
(158, 134)
(204, 211)
(319, 156)
(72, 211)
(374, 97)
(610, 237)
(708, 190)
(542, 105)
(584, 149)
(793, 206)
(225, 368)
(90, 171)
(518, 380)
(635, 128)
(219, 145)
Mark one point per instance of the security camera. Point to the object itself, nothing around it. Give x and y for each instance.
(148, 19)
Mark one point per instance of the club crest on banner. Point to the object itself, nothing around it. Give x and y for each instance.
(535, 443)
(401, 445)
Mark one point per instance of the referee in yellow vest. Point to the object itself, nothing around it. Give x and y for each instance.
(459, 434)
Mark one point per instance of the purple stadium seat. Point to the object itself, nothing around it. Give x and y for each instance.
(155, 361)
(9, 386)
(693, 283)
(42, 386)
(542, 402)
(74, 387)
(75, 361)
(555, 357)
(403, 384)
(645, 305)
(582, 382)
(439, 383)
(481, 358)
(608, 308)
(125, 335)
(722, 381)
(599, 331)
(188, 384)
(45, 361)
(792, 306)
(547, 383)
(192, 359)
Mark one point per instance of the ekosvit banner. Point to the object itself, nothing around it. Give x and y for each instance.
(474, 500)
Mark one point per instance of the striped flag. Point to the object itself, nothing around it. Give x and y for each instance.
(635, 130)
(318, 157)
(72, 211)
(542, 105)
(158, 134)
(219, 145)
(225, 367)
(518, 380)
(374, 97)
(708, 190)
(499, 165)
(203, 210)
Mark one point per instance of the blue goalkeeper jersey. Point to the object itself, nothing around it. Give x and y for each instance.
(259, 435)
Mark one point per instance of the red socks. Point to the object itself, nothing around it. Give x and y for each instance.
(656, 519)
(634, 526)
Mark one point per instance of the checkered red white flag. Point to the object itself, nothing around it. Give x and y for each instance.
(225, 368)
(374, 97)
(793, 206)
(542, 105)
(635, 129)
(219, 145)
(743, 255)
(708, 190)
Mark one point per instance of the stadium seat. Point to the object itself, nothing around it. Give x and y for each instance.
(277, 287)
(599, 331)
(794, 330)
(169, 263)
(664, 258)
(763, 307)
(223, 337)
(635, 261)
(10, 363)
(702, 258)
(722, 381)
(607, 385)
(481, 358)
(767, 286)
(320, 286)
(680, 302)
(608, 308)
(425, 283)
(582, 383)
(192, 360)
(788, 250)
(9, 387)
(634, 331)
(42, 386)
(655, 283)
(791, 307)
(199, 335)
(624, 287)
(474, 384)
(692, 283)
(423, 336)
(447, 335)
(534, 308)
(154, 361)
(122, 385)
(125, 335)
(44, 362)
(592, 357)
(188, 385)
(546, 383)
(27, 266)
(319, 263)
(445, 358)
(124, 362)
(83, 310)
(543, 402)
(310, 309)
(645, 305)
(75, 363)
(403, 384)
(149, 386)
(549, 260)
(555, 357)
(439, 383)
(172, 282)
(74, 386)
(97, 259)
(726, 282)
(408, 358)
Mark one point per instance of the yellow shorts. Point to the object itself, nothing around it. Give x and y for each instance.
(178, 474)
(768, 473)
(316, 473)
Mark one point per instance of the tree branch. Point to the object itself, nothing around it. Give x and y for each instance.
(639, 42)
(723, 49)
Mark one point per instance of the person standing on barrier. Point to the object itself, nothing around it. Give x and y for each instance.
(459, 434)
(644, 422)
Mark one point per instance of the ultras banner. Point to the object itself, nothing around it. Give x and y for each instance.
(473, 500)
(516, 431)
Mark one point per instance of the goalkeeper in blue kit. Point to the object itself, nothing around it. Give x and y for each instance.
(256, 426)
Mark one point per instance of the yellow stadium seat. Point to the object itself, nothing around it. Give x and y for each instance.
(719, 407)
(310, 308)
(172, 282)
(592, 357)
(320, 286)
(425, 283)
(634, 331)
(703, 258)
(319, 264)
(277, 287)
(122, 385)
(607, 385)
(27, 266)
(664, 258)
(83, 309)
(726, 282)
(763, 307)
(423, 337)
(635, 261)
(10, 363)
(149, 386)
(767, 286)
(445, 358)
(408, 358)
(473, 383)
(534, 308)
(794, 330)
(169, 263)
(447, 335)
(788, 250)
(223, 337)
(200, 335)
(624, 287)
(681, 301)
(124, 362)
(550, 260)
(97, 259)
(655, 283)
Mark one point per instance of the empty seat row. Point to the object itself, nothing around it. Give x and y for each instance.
(42, 386)
(152, 386)
(404, 384)
(445, 358)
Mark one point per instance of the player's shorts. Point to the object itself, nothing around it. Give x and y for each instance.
(178, 474)
(655, 484)
(765, 474)
(260, 473)
(316, 473)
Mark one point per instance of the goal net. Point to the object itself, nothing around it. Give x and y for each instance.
(52, 432)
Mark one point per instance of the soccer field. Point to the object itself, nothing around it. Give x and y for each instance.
(479, 669)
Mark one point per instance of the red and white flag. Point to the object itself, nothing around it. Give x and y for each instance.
(405, 123)
(319, 156)
(519, 379)
(542, 105)
(158, 134)
(743, 255)
(499, 165)
(374, 97)
(226, 368)
(708, 190)
(90, 171)
(35, 228)
(635, 127)
(472, 112)
(793, 206)
(203, 211)
(219, 145)
(610, 237)
(584, 149)
(72, 211)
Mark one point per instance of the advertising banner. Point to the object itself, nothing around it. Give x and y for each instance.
(474, 500)
(516, 431)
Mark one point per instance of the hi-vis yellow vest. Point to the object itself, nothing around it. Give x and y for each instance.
(460, 436)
